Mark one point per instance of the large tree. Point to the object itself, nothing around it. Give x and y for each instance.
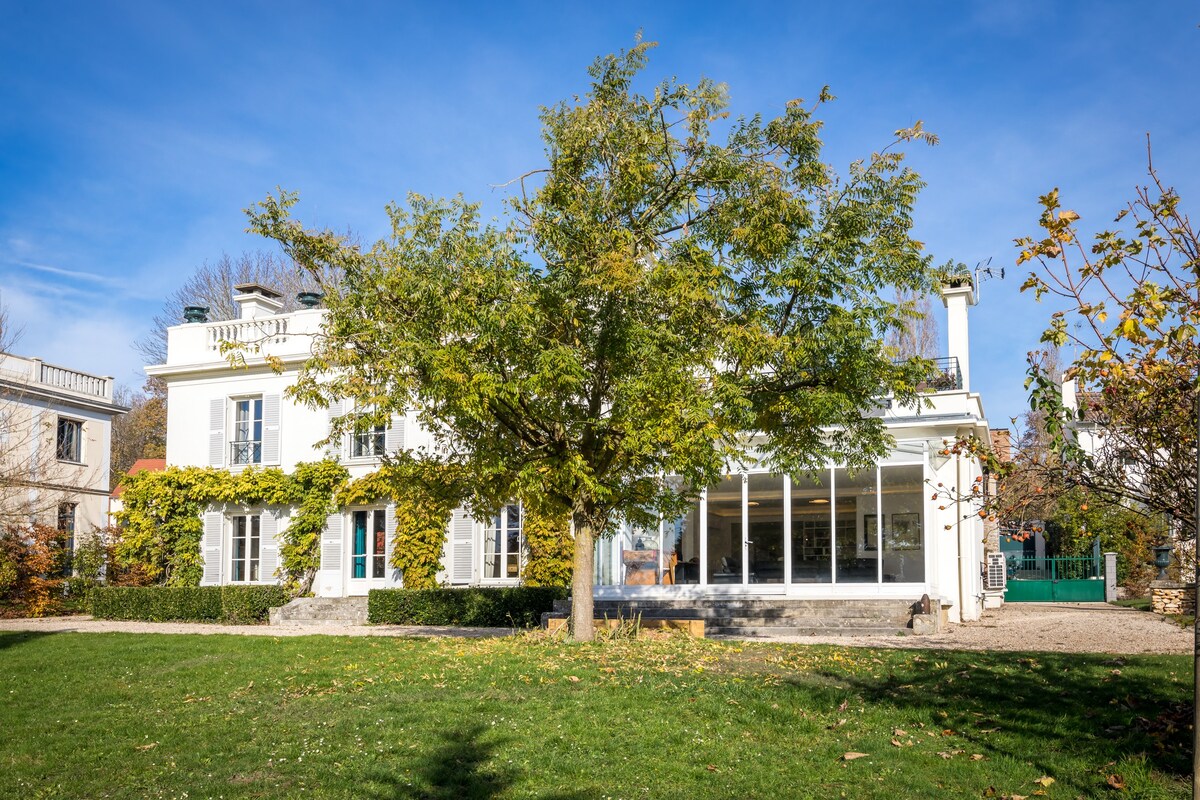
(1132, 309)
(657, 308)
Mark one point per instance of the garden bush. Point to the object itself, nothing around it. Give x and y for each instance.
(234, 604)
(483, 607)
(248, 604)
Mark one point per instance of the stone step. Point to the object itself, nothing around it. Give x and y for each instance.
(321, 610)
(751, 632)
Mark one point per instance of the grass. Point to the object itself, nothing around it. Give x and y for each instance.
(124, 715)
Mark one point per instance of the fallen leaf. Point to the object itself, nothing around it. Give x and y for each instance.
(896, 743)
(1045, 780)
(845, 704)
(852, 755)
(899, 732)
(712, 768)
(150, 746)
(977, 756)
(947, 732)
(573, 678)
(1116, 781)
(837, 724)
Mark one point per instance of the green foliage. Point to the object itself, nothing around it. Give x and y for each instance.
(654, 297)
(158, 603)
(162, 525)
(300, 552)
(243, 605)
(485, 607)
(551, 549)
(233, 604)
(1077, 519)
(33, 560)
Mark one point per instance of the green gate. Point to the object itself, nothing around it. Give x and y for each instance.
(1055, 580)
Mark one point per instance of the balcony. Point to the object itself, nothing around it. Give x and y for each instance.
(198, 345)
(947, 376)
(244, 452)
(34, 374)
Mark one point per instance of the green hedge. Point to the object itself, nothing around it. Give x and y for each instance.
(236, 604)
(485, 607)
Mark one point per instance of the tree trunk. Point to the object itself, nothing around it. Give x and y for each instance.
(582, 620)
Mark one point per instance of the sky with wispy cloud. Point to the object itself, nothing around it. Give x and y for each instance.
(132, 134)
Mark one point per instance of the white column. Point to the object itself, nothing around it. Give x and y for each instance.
(957, 299)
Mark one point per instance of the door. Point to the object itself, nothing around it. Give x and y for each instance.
(367, 564)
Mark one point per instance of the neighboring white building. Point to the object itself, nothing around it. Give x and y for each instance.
(878, 534)
(55, 432)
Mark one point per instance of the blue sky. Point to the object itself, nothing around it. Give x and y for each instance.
(132, 135)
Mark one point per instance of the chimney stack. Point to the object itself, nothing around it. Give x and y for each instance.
(256, 301)
(958, 294)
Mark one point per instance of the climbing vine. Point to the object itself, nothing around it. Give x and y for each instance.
(162, 518)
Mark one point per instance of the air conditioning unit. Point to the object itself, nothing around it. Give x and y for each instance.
(997, 571)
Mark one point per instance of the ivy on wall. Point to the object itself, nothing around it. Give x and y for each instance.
(162, 518)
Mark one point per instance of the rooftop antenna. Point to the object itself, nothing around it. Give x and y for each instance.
(984, 271)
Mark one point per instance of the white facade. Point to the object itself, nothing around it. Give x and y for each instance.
(55, 435)
(228, 416)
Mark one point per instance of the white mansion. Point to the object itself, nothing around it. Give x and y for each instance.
(877, 534)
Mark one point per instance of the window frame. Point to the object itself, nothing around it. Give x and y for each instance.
(244, 450)
(374, 555)
(61, 453)
(498, 531)
(251, 557)
(68, 516)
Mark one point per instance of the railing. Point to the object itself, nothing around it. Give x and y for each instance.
(268, 330)
(73, 381)
(948, 376)
(245, 452)
(1054, 569)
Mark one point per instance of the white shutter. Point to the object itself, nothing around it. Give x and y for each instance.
(270, 440)
(389, 528)
(216, 432)
(214, 526)
(331, 544)
(462, 547)
(394, 441)
(334, 449)
(268, 530)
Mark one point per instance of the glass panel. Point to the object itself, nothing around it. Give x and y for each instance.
(512, 545)
(258, 421)
(379, 551)
(639, 555)
(239, 549)
(493, 546)
(855, 527)
(683, 535)
(603, 562)
(904, 533)
(254, 545)
(359, 560)
(765, 508)
(725, 531)
(812, 544)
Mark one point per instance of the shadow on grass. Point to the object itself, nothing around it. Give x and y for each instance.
(460, 769)
(15, 638)
(1039, 708)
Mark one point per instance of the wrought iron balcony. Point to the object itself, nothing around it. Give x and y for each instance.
(245, 452)
(947, 377)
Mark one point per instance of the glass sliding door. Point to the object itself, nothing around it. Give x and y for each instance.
(857, 530)
(681, 545)
(725, 531)
(812, 531)
(765, 511)
(903, 503)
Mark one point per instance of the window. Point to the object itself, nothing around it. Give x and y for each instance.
(369, 442)
(502, 545)
(370, 545)
(66, 525)
(246, 547)
(246, 447)
(70, 440)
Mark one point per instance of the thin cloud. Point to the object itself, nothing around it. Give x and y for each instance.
(103, 280)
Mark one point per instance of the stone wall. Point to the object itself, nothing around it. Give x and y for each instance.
(1172, 597)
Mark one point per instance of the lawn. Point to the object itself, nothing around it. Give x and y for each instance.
(123, 715)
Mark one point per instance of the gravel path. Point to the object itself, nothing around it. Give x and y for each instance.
(1055, 627)
(1061, 627)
